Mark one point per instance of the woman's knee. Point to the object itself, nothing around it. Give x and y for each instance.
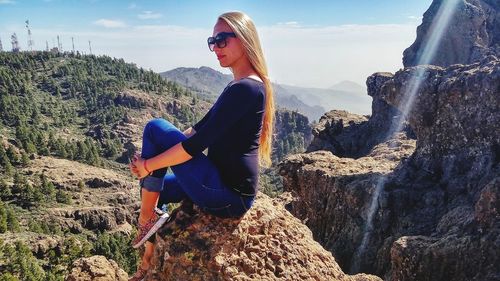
(162, 128)
(155, 124)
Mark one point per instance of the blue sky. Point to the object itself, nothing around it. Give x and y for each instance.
(324, 42)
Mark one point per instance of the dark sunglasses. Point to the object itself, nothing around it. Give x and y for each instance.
(219, 39)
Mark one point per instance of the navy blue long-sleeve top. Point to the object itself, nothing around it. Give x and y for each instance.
(231, 130)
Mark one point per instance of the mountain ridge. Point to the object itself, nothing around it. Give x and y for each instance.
(309, 101)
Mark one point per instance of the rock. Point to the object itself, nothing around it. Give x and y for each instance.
(96, 268)
(443, 198)
(40, 246)
(267, 243)
(453, 257)
(334, 132)
(98, 183)
(454, 116)
(333, 194)
(106, 218)
(351, 135)
(472, 34)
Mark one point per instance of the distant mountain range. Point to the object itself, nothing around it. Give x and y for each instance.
(312, 102)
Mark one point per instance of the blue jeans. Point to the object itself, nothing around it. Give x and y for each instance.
(196, 179)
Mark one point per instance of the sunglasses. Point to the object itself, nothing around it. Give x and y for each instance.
(219, 40)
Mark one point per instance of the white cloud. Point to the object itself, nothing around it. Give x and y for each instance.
(416, 18)
(305, 56)
(289, 24)
(148, 15)
(110, 23)
(322, 56)
(7, 2)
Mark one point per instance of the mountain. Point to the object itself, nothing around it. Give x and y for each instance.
(355, 102)
(203, 80)
(210, 83)
(349, 86)
(309, 101)
(68, 125)
(471, 35)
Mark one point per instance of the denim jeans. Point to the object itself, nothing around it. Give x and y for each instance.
(196, 179)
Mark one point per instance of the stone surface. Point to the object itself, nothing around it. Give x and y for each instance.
(267, 243)
(436, 217)
(472, 34)
(333, 194)
(351, 135)
(96, 268)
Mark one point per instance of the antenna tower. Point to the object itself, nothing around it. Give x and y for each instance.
(73, 43)
(30, 40)
(90, 47)
(15, 43)
(59, 44)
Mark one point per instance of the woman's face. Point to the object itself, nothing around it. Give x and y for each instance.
(233, 53)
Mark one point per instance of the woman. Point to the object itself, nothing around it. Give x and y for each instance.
(237, 131)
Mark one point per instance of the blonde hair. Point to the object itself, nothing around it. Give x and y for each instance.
(244, 28)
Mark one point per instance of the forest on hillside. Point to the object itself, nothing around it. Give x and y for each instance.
(69, 106)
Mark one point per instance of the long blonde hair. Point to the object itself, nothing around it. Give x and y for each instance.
(244, 28)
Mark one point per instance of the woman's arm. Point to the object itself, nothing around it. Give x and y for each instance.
(173, 156)
(141, 167)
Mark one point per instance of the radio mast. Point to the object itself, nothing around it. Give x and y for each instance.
(15, 43)
(59, 44)
(30, 40)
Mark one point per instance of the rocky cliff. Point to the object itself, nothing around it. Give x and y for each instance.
(436, 217)
(267, 243)
(472, 34)
(431, 213)
(351, 135)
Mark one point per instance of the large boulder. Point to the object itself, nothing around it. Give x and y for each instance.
(96, 268)
(267, 243)
(351, 135)
(472, 34)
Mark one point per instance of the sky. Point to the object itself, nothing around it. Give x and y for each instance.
(306, 43)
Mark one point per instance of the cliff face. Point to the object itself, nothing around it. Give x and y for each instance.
(352, 135)
(473, 33)
(436, 217)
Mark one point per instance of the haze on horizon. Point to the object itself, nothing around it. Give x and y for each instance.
(314, 44)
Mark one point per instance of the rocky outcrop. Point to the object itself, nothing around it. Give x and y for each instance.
(351, 135)
(472, 34)
(332, 194)
(454, 116)
(102, 218)
(436, 214)
(267, 243)
(96, 268)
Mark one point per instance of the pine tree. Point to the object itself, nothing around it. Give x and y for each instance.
(24, 159)
(12, 155)
(5, 191)
(3, 218)
(12, 221)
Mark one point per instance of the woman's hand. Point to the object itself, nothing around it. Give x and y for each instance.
(137, 167)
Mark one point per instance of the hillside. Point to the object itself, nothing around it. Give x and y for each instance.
(68, 124)
(210, 83)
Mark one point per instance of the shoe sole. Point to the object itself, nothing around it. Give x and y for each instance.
(161, 220)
